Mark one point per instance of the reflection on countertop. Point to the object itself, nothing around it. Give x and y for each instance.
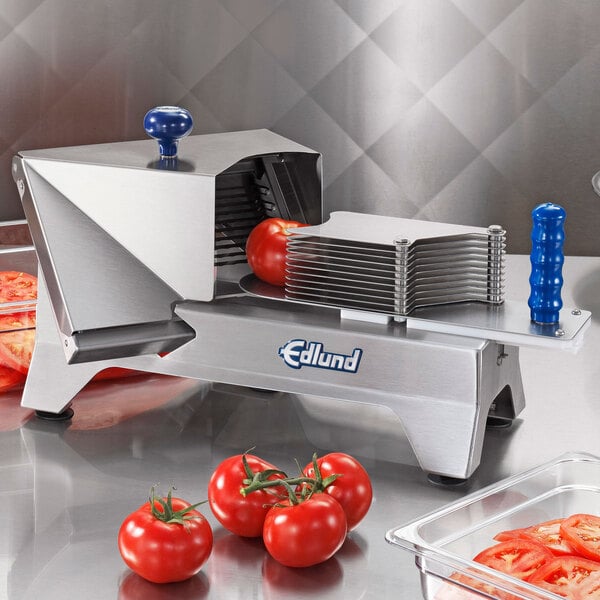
(66, 486)
(74, 481)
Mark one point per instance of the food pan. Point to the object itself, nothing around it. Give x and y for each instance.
(444, 542)
(17, 319)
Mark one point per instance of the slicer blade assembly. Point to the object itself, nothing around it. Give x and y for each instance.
(393, 266)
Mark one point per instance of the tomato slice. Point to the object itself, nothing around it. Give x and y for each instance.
(9, 378)
(549, 534)
(18, 320)
(16, 286)
(566, 575)
(546, 533)
(590, 588)
(16, 348)
(510, 534)
(518, 558)
(582, 533)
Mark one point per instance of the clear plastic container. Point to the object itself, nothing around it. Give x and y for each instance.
(17, 320)
(445, 541)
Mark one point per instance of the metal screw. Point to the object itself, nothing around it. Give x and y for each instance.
(576, 312)
(402, 241)
(559, 332)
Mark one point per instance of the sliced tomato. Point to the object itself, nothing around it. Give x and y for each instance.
(18, 320)
(566, 575)
(510, 534)
(16, 348)
(582, 533)
(9, 378)
(590, 588)
(547, 533)
(16, 286)
(516, 557)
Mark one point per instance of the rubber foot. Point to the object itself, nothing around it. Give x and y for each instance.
(445, 481)
(65, 415)
(498, 423)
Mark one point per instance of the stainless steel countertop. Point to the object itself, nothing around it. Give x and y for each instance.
(65, 487)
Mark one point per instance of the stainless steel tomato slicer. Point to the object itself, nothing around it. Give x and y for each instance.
(142, 265)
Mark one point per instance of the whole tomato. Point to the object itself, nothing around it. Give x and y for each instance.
(307, 533)
(242, 515)
(165, 540)
(266, 251)
(352, 488)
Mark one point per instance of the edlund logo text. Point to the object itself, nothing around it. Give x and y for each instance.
(300, 353)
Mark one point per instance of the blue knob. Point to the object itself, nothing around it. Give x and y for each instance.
(547, 258)
(167, 125)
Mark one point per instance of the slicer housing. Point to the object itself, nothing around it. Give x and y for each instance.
(144, 235)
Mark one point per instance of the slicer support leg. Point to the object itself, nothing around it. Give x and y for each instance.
(51, 382)
(447, 437)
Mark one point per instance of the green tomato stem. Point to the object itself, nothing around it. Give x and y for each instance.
(168, 515)
(256, 484)
(260, 481)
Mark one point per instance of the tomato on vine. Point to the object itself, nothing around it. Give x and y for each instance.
(165, 540)
(346, 480)
(240, 513)
(306, 532)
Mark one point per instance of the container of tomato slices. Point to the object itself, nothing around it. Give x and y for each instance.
(532, 536)
(18, 297)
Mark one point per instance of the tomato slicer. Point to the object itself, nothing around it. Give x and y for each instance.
(142, 265)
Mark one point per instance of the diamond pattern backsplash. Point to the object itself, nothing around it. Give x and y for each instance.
(461, 111)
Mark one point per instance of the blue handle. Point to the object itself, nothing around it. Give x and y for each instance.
(547, 258)
(167, 125)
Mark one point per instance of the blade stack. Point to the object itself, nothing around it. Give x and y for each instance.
(393, 266)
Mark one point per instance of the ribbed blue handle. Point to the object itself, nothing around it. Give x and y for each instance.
(547, 258)
(167, 125)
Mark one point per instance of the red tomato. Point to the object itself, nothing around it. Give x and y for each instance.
(9, 378)
(509, 534)
(165, 551)
(352, 489)
(266, 251)
(16, 286)
(566, 575)
(16, 348)
(18, 320)
(516, 557)
(547, 533)
(305, 534)
(242, 515)
(590, 588)
(582, 533)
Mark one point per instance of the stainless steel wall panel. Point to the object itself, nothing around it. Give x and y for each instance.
(451, 110)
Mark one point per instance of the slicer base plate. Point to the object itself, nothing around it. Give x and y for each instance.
(507, 323)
